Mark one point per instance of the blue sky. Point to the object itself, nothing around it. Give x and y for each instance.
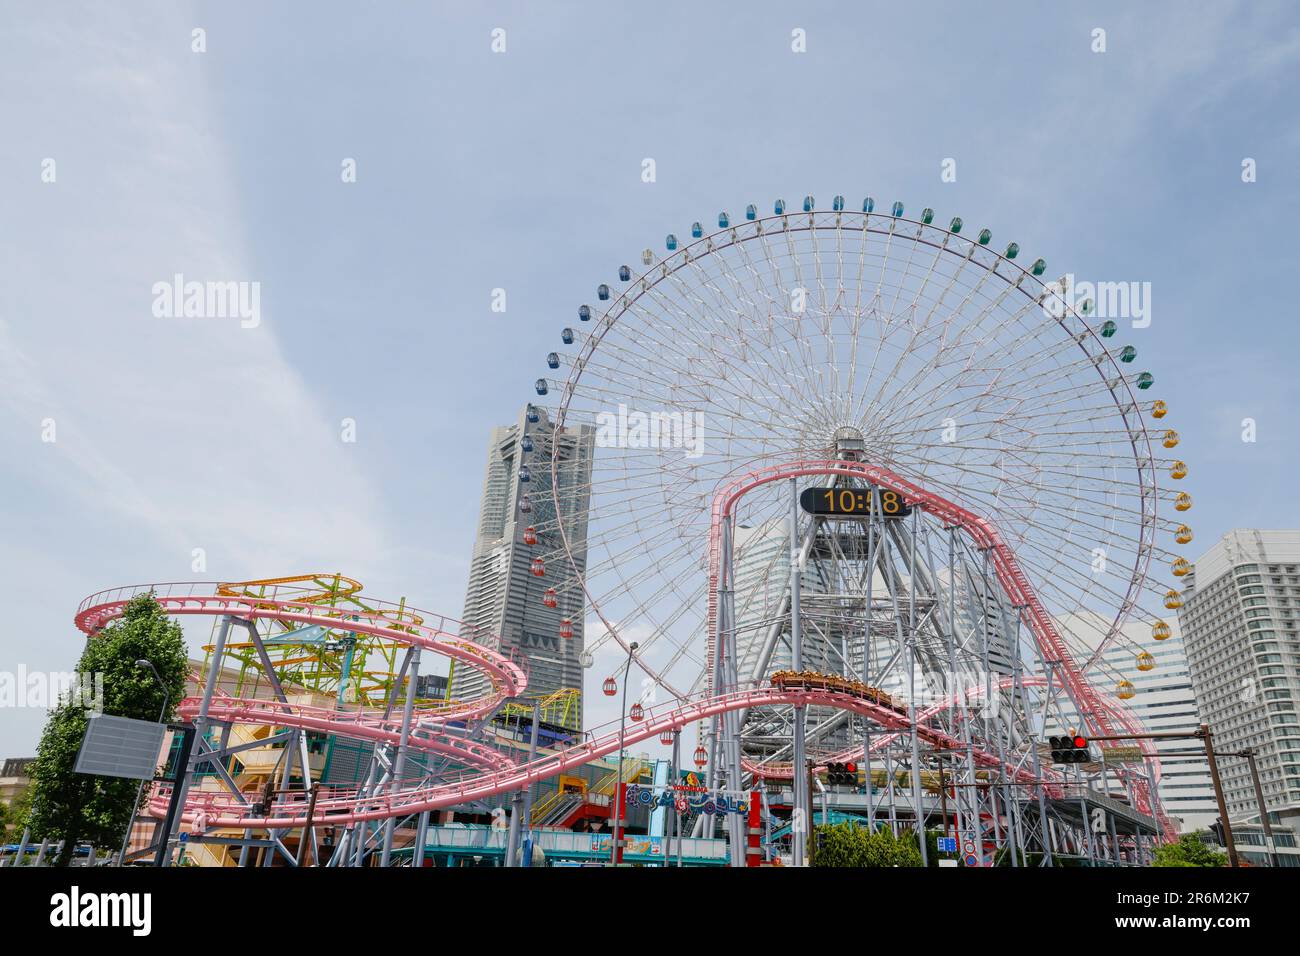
(522, 171)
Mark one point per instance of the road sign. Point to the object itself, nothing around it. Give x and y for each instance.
(947, 844)
(1111, 756)
(972, 860)
(121, 747)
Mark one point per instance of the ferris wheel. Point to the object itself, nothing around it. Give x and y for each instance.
(951, 363)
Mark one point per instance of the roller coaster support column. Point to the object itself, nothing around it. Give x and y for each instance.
(421, 834)
(186, 772)
(528, 791)
(673, 826)
(517, 809)
(799, 782)
(512, 837)
(399, 770)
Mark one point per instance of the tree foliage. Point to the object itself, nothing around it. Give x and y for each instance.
(13, 815)
(1190, 850)
(849, 844)
(80, 808)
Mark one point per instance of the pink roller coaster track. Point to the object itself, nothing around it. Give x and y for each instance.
(1012, 579)
(492, 772)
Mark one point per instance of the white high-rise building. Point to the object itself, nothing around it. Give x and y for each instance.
(504, 598)
(1241, 625)
(1164, 702)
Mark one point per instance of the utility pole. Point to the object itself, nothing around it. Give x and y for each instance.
(1249, 754)
(1207, 738)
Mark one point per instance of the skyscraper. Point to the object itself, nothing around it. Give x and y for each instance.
(504, 598)
(1241, 625)
(1164, 702)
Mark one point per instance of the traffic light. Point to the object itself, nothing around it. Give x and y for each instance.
(843, 773)
(1070, 748)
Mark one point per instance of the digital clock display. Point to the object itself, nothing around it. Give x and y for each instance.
(854, 502)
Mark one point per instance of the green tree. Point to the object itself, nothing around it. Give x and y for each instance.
(1190, 850)
(851, 844)
(79, 808)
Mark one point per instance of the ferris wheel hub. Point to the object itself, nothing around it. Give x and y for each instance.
(849, 443)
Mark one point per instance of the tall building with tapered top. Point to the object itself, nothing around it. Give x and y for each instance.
(505, 598)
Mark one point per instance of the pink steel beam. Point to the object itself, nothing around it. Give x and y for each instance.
(366, 725)
(1015, 584)
(508, 680)
(346, 807)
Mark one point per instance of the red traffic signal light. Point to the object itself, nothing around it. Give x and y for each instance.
(842, 773)
(1070, 749)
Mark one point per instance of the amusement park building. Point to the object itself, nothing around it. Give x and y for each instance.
(1164, 703)
(1241, 624)
(504, 596)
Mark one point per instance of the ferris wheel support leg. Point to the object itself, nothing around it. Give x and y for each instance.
(408, 710)
(867, 647)
(1044, 832)
(918, 808)
(730, 669)
(799, 781)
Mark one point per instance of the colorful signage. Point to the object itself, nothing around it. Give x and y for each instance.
(694, 798)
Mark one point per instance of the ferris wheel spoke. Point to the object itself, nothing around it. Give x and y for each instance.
(780, 332)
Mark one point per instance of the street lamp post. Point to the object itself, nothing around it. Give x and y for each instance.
(615, 856)
(167, 700)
